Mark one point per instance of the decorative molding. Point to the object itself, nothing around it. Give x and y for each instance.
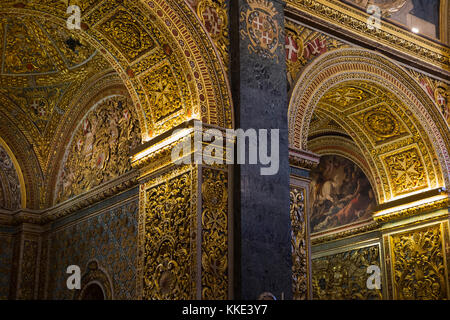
(303, 159)
(348, 232)
(413, 211)
(390, 37)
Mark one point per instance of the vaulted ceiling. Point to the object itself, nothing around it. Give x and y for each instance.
(371, 126)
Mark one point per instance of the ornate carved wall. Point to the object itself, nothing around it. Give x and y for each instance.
(10, 188)
(184, 225)
(106, 233)
(343, 275)
(417, 263)
(100, 148)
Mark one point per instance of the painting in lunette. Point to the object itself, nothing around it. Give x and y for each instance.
(340, 194)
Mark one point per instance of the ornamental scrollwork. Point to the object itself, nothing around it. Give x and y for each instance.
(299, 244)
(214, 234)
(99, 150)
(10, 196)
(418, 264)
(343, 276)
(169, 235)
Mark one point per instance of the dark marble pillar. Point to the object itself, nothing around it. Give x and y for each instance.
(262, 224)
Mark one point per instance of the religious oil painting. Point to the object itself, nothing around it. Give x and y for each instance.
(340, 194)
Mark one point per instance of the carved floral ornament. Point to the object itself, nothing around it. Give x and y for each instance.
(11, 188)
(100, 148)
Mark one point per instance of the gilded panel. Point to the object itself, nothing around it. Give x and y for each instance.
(406, 171)
(381, 124)
(299, 243)
(169, 236)
(10, 193)
(123, 30)
(214, 234)
(214, 17)
(418, 261)
(163, 92)
(346, 97)
(343, 276)
(99, 150)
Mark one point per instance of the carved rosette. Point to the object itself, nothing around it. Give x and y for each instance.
(214, 234)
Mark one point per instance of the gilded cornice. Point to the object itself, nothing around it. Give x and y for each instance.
(303, 159)
(345, 233)
(95, 195)
(413, 211)
(392, 38)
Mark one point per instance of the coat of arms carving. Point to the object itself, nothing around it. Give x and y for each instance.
(260, 26)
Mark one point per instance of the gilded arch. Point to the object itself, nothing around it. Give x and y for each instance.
(177, 32)
(375, 74)
(162, 55)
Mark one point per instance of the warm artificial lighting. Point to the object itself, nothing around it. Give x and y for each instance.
(415, 30)
(180, 134)
(411, 205)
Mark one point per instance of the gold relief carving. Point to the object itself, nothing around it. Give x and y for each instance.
(381, 124)
(303, 45)
(100, 148)
(406, 171)
(169, 237)
(10, 189)
(299, 244)
(418, 265)
(354, 20)
(122, 29)
(22, 54)
(261, 28)
(28, 272)
(376, 148)
(74, 49)
(214, 16)
(345, 97)
(343, 276)
(163, 92)
(214, 234)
